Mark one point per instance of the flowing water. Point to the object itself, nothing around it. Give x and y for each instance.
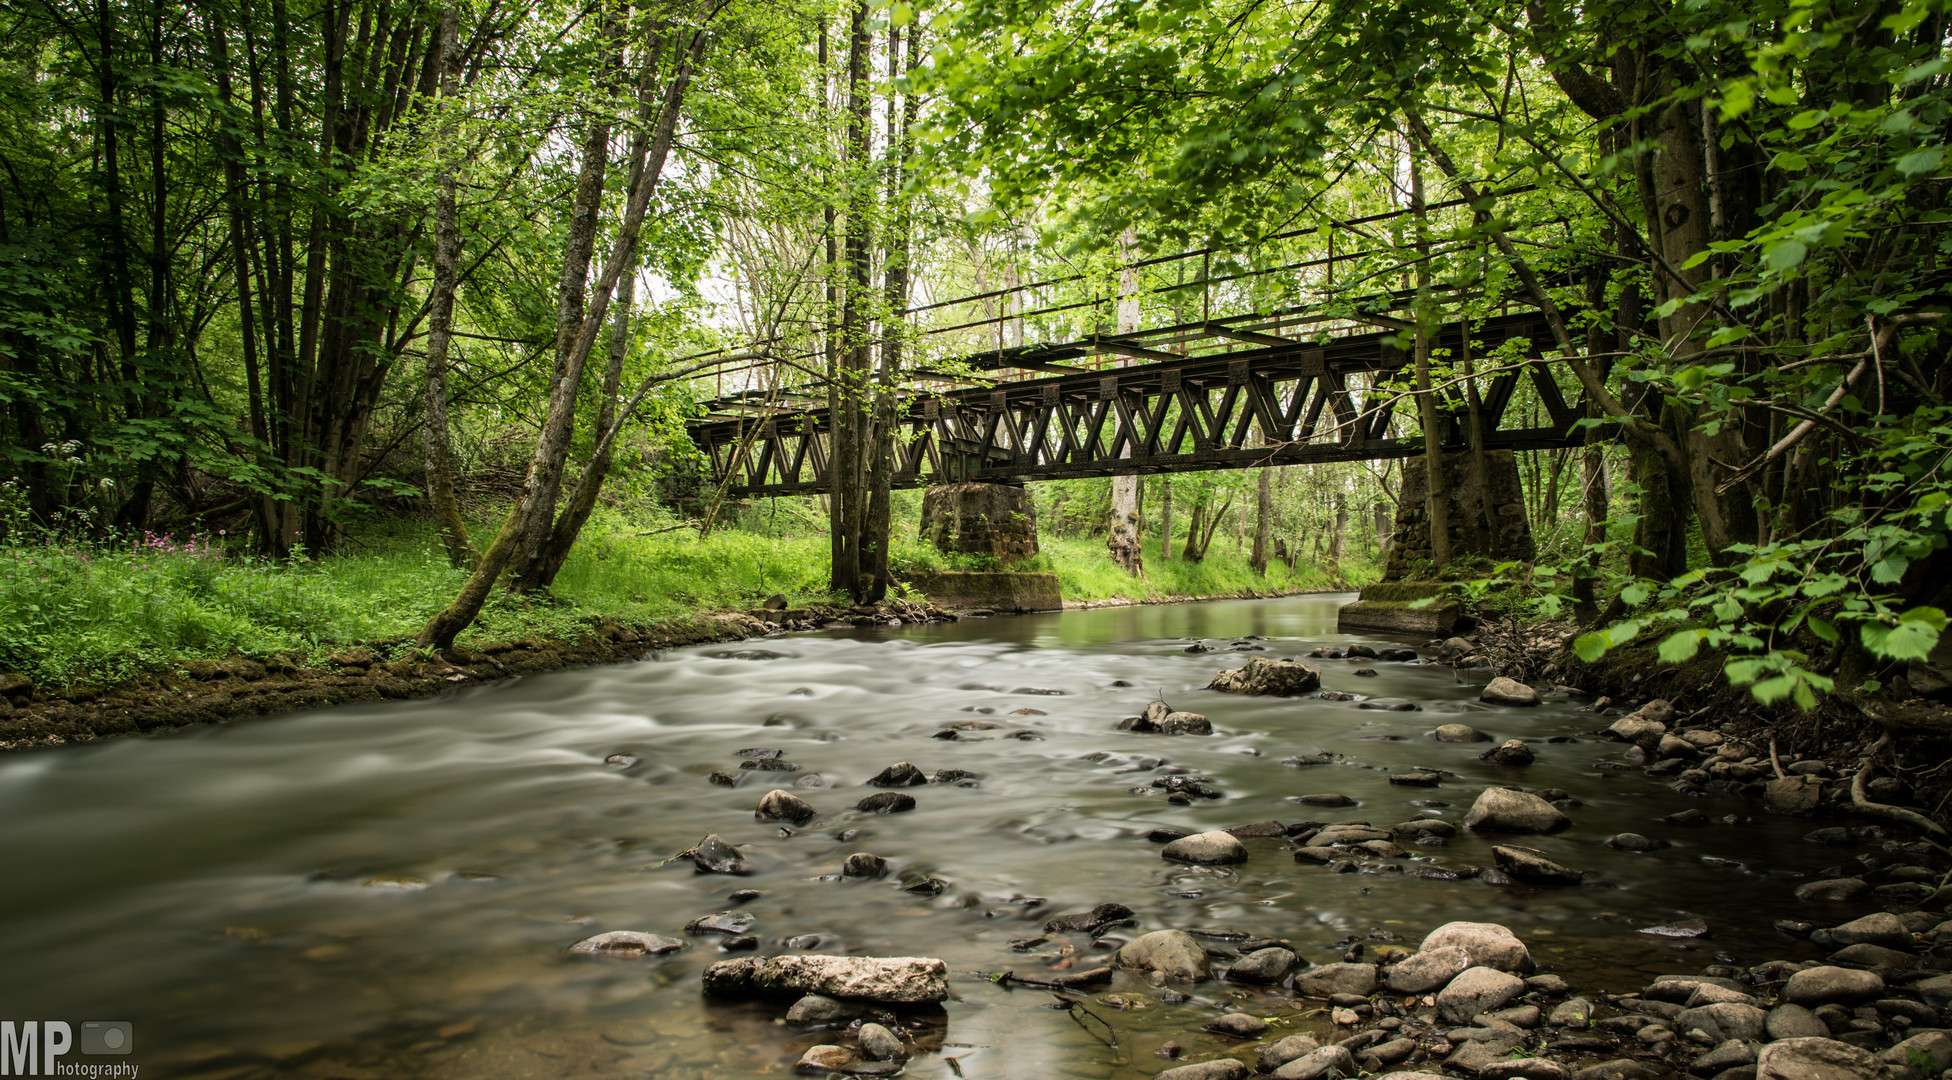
(205, 885)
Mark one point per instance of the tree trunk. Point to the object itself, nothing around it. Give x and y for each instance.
(1122, 533)
(440, 316)
(853, 424)
(1433, 453)
(1263, 517)
(1166, 519)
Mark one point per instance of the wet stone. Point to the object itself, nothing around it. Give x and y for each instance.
(862, 864)
(714, 856)
(1512, 752)
(1627, 841)
(1263, 966)
(1208, 848)
(721, 922)
(1087, 922)
(900, 774)
(1508, 811)
(779, 805)
(886, 802)
(770, 765)
(1460, 733)
(1238, 1026)
(1329, 800)
(1509, 692)
(627, 943)
(1416, 779)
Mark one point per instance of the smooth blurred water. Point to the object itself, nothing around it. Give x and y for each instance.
(204, 885)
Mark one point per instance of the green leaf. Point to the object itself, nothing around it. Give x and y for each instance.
(1824, 629)
(1785, 256)
(1920, 162)
(1634, 595)
(1589, 647)
(1681, 646)
(1908, 640)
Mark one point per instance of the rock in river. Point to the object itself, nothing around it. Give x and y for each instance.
(1503, 691)
(864, 864)
(1217, 1069)
(1216, 848)
(1161, 719)
(780, 805)
(1487, 944)
(1512, 752)
(891, 980)
(1267, 675)
(714, 856)
(1170, 954)
(1460, 733)
(1814, 1059)
(886, 802)
(1824, 985)
(628, 943)
(1263, 966)
(900, 774)
(1329, 980)
(1530, 866)
(1431, 969)
(1478, 990)
(1089, 921)
(1504, 810)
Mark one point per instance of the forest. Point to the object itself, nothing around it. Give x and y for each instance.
(706, 539)
(371, 319)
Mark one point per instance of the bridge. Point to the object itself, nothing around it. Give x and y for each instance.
(1285, 387)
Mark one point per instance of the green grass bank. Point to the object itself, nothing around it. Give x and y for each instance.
(74, 613)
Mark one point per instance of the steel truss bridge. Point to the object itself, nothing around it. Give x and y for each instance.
(1282, 388)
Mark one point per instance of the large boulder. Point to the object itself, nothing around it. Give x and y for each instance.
(1432, 969)
(1478, 990)
(1827, 985)
(889, 980)
(1216, 848)
(1169, 954)
(1504, 810)
(1329, 980)
(1503, 691)
(1814, 1059)
(1880, 928)
(1487, 944)
(1729, 1020)
(1268, 675)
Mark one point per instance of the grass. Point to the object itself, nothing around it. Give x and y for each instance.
(93, 613)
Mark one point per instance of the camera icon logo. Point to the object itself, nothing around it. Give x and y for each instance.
(113, 1038)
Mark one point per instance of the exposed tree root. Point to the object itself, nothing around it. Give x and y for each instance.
(1861, 801)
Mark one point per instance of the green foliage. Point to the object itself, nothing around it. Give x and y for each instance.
(1786, 614)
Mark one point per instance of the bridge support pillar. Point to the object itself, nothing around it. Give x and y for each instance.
(997, 520)
(1487, 520)
(1487, 514)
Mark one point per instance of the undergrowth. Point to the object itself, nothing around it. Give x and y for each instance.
(75, 612)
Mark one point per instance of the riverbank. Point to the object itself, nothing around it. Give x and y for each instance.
(98, 642)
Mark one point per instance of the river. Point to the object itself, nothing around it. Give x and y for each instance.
(206, 885)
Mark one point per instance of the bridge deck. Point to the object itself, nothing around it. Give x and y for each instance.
(1280, 402)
